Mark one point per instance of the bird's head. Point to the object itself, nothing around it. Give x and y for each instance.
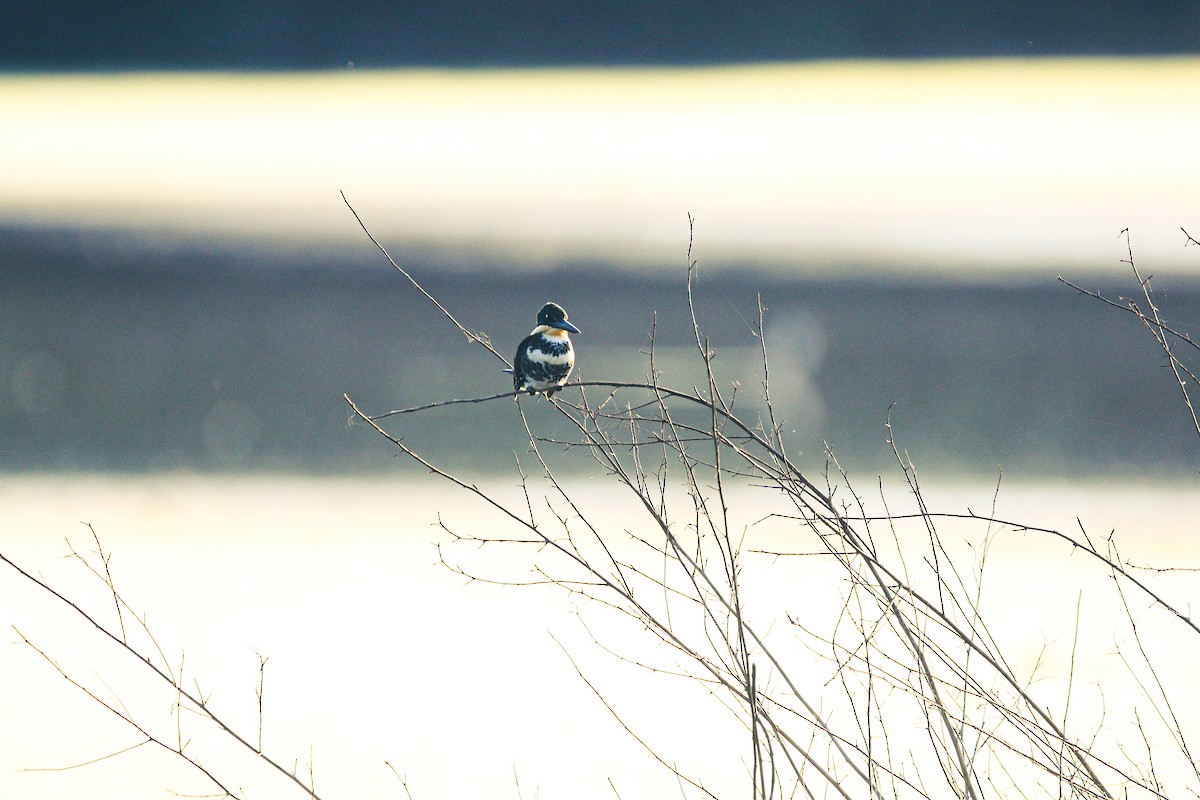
(553, 316)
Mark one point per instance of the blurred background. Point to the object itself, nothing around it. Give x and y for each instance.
(186, 297)
(184, 288)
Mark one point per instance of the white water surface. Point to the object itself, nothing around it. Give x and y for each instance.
(380, 654)
(964, 169)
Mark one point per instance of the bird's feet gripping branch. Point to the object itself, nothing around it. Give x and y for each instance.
(545, 357)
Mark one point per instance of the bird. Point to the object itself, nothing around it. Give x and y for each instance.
(545, 357)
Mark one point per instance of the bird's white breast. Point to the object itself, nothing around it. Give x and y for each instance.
(557, 359)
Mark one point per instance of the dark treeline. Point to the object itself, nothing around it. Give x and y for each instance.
(322, 34)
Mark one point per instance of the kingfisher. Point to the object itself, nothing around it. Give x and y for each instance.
(545, 357)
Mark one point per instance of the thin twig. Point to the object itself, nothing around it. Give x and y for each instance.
(472, 336)
(194, 698)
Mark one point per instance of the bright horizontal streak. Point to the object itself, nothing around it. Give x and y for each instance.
(941, 164)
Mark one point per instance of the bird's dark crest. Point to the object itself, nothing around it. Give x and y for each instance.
(550, 314)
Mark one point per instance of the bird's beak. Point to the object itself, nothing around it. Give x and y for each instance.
(566, 326)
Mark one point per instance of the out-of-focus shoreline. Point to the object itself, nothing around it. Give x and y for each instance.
(212, 369)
